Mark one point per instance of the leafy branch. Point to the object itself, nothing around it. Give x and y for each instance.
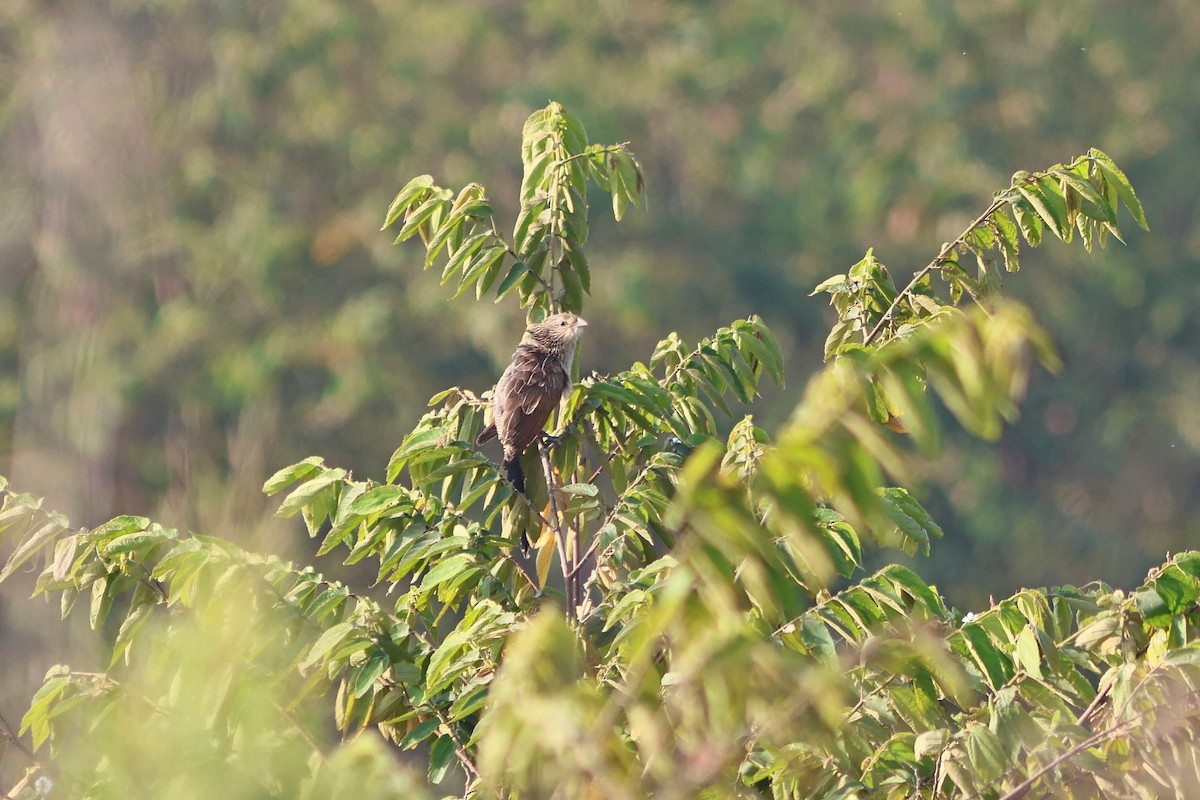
(1082, 197)
(729, 640)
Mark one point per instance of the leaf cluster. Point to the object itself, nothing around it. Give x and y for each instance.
(711, 629)
(544, 262)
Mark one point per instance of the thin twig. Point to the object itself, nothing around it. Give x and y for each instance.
(935, 264)
(11, 734)
(1024, 786)
(304, 734)
(507, 553)
(583, 560)
(460, 749)
(556, 526)
(608, 519)
(36, 766)
(1100, 697)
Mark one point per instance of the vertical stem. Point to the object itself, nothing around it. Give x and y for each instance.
(559, 540)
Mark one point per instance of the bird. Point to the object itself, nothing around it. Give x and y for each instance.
(531, 387)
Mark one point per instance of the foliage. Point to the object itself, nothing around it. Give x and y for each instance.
(194, 292)
(712, 629)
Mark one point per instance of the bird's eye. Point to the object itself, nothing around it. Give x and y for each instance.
(562, 323)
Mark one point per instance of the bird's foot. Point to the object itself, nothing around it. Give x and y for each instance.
(550, 441)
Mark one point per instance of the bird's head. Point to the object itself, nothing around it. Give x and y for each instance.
(558, 331)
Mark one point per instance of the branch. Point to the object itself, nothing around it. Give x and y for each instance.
(460, 749)
(507, 553)
(7, 732)
(11, 735)
(1024, 786)
(607, 551)
(556, 526)
(932, 265)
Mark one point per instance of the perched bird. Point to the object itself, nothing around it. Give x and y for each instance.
(531, 387)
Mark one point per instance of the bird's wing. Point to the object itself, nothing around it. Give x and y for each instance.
(527, 393)
(487, 434)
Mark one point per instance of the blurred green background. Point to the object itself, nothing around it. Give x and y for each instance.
(194, 290)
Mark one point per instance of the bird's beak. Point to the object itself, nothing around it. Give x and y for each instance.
(580, 322)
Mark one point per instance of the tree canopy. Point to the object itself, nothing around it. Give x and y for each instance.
(195, 289)
(714, 628)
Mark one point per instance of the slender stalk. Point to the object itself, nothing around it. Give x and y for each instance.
(559, 538)
(937, 262)
(463, 755)
(8, 732)
(11, 734)
(1021, 789)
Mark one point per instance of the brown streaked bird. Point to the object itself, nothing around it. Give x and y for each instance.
(531, 387)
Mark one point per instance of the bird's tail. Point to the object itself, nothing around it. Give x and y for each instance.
(512, 471)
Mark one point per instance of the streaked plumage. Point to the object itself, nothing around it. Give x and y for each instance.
(531, 387)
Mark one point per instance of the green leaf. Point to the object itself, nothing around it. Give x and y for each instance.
(102, 598)
(417, 217)
(1049, 206)
(413, 444)
(332, 637)
(465, 251)
(986, 753)
(469, 703)
(441, 758)
(375, 665)
(1010, 244)
(447, 570)
(1028, 655)
(930, 743)
(129, 542)
(1093, 204)
(379, 498)
(911, 520)
(37, 718)
(993, 664)
(31, 543)
(400, 204)
(572, 296)
(1153, 607)
(289, 475)
(420, 732)
(515, 273)
(1114, 175)
(1101, 635)
(1176, 589)
(1028, 221)
(305, 492)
